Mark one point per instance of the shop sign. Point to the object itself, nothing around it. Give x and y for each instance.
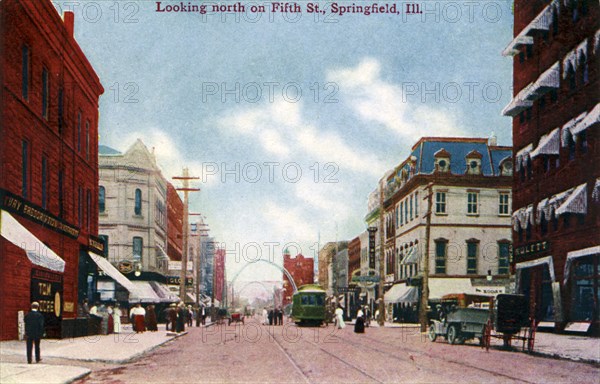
(532, 248)
(97, 245)
(176, 280)
(125, 267)
(47, 289)
(485, 290)
(372, 231)
(368, 280)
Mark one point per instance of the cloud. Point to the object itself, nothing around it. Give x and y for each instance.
(375, 100)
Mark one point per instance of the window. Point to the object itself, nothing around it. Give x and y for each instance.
(472, 246)
(45, 92)
(88, 210)
(87, 140)
(138, 245)
(553, 96)
(44, 182)
(529, 50)
(61, 108)
(529, 167)
(503, 253)
(585, 289)
(555, 22)
(401, 211)
(101, 199)
(521, 57)
(79, 131)
(416, 204)
(61, 176)
(397, 223)
(571, 145)
(440, 202)
(571, 78)
(440, 256)
(80, 206)
(25, 72)
(583, 142)
(138, 202)
(585, 76)
(105, 242)
(411, 207)
(406, 211)
(503, 207)
(543, 224)
(25, 168)
(472, 203)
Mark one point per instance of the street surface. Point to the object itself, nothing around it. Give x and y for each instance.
(290, 354)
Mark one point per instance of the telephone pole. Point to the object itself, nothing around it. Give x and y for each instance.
(184, 255)
(381, 319)
(425, 283)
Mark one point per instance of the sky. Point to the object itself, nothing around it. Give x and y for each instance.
(290, 119)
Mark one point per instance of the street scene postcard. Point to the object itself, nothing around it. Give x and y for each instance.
(350, 191)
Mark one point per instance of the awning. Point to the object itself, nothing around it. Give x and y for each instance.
(37, 252)
(412, 256)
(439, 287)
(144, 293)
(590, 119)
(548, 80)
(522, 216)
(572, 57)
(541, 23)
(577, 254)
(549, 144)
(596, 191)
(164, 293)
(569, 128)
(535, 263)
(549, 205)
(522, 156)
(576, 202)
(113, 272)
(400, 293)
(519, 103)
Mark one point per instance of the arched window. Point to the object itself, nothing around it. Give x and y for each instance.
(101, 199)
(138, 202)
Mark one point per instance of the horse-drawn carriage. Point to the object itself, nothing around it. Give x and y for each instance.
(462, 317)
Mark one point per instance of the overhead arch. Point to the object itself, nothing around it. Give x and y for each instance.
(281, 268)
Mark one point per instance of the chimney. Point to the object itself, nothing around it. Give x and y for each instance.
(493, 140)
(69, 20)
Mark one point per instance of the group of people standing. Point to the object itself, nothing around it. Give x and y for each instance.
(273, 316)
(178, 316)
(359, 323)
(105, 319)
(143, 319)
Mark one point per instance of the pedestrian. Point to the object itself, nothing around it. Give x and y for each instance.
(151, 323)
(203, 315)
(265, 315)
(181, 318)
(172, 317)
(111, 319)
(138, 318)
(84, 309)
(280, 316)
(117, 318)
(96, 319)
(34, 331)
(103, 315)
(190, 316)
(270, 316)
(359, 324)
(339, 317)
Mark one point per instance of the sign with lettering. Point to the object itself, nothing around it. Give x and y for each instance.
(175, 280)
(366, 280)
(372, 231)
(489, 290)
(532, 248)
(47, 289)
(97, 245)
(23, 208)
(175, 265)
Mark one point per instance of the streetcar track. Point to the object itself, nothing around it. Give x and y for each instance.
(363, 372)
(423, 353)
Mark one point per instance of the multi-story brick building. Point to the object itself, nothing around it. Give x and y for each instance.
(556, 183)
(326, 264)
(48, 167)
(220, 283)
(174, 223)
(470, 180)
(302, 271)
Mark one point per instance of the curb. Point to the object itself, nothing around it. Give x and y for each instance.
(78, 377)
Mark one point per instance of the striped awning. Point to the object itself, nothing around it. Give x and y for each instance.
(549, 144)
(576, 202)
(113, 272)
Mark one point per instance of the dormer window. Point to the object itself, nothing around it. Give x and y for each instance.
(473, 159)
(506, 167)
(442, 161)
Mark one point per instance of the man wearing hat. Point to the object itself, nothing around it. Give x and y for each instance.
(34, 331)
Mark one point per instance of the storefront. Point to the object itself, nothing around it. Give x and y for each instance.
(536, 279)
(581, 282)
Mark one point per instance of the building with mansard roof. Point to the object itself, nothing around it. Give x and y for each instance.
(469, 242)
(556, 183)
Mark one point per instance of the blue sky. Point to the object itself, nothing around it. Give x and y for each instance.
(383, 81)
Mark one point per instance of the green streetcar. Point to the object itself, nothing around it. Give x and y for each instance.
(308, 305)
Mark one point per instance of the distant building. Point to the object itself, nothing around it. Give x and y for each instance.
(174, 223)
(220, 283)
(326, 268)
(555, 111)
(49, 169)
(469, 243)
(302, 271)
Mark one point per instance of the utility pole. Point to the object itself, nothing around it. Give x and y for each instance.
(381, 319)
(425, 283)
(184, 255)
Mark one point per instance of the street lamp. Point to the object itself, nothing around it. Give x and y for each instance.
(138, 270)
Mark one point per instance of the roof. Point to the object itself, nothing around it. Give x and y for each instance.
(458, 148)
(106, 150)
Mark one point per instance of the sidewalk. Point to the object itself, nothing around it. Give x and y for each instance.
(114, 349)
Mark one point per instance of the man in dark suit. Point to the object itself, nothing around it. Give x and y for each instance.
(34, 331)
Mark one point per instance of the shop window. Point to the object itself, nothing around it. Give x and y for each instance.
(138, 202)
(25, 72)
(441, 246)
(101, 199)
(584, 289)
(472, 250)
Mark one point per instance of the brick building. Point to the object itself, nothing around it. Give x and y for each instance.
(220, 283)
(174, 223)
(556, 182)
(302, 271)
(48, 167)
(353, 257)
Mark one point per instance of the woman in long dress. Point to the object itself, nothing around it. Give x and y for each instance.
(138, 318)
(151, 323)
(117, 318)
(359, 324)
(265, 315)
(339, 317)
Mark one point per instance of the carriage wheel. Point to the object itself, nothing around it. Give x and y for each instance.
(432, 335)
(453, 334)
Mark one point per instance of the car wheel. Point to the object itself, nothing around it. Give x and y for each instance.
(432, 335)
(453, 334)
